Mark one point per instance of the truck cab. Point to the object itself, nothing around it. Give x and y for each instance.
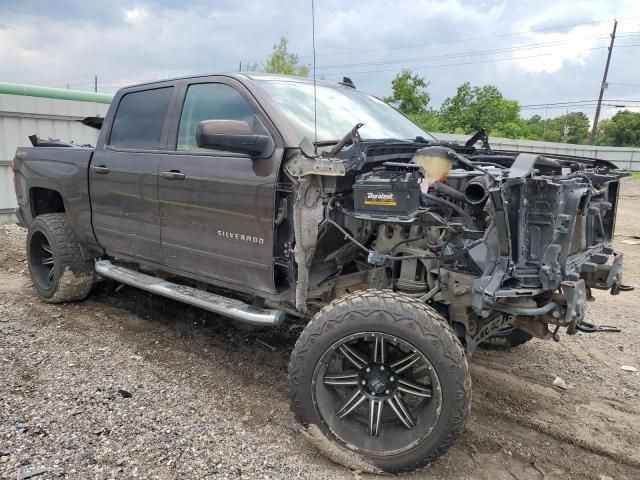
(158, 198)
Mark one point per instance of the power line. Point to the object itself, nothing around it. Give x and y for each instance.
(590, 105)
(463, 54)
(624, 84)
(470, 39)
(560, 103)
(584, 106)
(579, 101)
(422, 67)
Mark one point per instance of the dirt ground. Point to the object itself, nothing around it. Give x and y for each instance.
(130, 385)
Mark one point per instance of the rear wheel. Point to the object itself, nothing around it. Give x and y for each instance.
(382, 375)
(58, 271)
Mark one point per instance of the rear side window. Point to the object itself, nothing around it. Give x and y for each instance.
(212, 101)
(139, 119)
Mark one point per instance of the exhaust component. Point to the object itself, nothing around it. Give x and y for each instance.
(228, 307)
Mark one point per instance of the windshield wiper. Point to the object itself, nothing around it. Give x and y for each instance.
(352, 137)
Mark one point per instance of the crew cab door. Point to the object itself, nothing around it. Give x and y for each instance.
(217, 207)
(123, 174)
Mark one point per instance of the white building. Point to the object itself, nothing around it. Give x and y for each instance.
(49, 112)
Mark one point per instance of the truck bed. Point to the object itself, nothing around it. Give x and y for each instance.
(40, 172)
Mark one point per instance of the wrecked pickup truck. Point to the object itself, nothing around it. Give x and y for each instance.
(401, 253)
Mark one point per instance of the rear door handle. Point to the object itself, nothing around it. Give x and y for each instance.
(173, 175)
(101, 169)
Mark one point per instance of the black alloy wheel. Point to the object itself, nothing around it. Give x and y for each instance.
(41, 261)
(376, 384)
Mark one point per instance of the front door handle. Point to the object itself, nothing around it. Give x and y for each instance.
(100, 169)
(173, 175)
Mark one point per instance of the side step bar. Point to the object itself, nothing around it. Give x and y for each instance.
(209, 301)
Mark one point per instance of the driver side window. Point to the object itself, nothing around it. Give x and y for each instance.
(212, 101)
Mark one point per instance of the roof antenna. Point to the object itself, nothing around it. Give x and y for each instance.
(315, 101)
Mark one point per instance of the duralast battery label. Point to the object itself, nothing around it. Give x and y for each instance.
(380, 199)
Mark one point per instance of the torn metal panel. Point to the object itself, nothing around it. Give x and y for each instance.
(307, 215)
(301, 166)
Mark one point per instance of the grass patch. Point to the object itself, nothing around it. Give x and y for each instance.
(635, 174)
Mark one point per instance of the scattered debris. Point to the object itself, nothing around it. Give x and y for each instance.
(273, 349)
(32, 473)
(293, 426)
(629, 368)
(42, 360)
(124, 393)
(560, 383)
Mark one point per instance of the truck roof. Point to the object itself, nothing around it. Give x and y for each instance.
(243, 77)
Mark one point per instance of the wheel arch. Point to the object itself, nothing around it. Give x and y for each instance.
(44, 200)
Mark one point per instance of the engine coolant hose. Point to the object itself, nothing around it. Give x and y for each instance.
(447, 203)
(448, 191)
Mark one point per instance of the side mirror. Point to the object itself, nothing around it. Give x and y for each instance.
(230, 135)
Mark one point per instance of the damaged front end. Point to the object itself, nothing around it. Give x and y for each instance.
(490, 240)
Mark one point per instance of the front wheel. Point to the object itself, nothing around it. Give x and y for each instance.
(384, 376)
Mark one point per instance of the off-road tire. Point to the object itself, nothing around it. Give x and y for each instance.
(509, 339)
(402, 316)
(72, 276)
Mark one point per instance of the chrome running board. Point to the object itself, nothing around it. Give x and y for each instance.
(209, 301)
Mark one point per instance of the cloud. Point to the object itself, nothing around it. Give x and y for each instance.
(127, 41)
(136, 14)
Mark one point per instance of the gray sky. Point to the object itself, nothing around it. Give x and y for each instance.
(533, 51)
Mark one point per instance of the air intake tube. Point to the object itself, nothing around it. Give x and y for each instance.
(477, 190)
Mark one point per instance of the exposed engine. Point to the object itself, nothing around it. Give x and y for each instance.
(489, 240)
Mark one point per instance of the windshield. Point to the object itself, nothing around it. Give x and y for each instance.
(339, 109)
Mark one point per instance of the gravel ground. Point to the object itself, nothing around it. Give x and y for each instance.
(130, 385)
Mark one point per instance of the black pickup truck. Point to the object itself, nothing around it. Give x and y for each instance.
(401, 253)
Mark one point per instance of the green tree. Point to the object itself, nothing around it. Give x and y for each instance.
(281, 61)
(622, 130)
(429, 120)
(473, 108)
(579, 127)
(408, 93)
(535, 127)
(570, 128)
(601, 133)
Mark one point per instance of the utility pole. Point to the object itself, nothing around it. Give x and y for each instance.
(95, 83)
(604, 84)
(240, 67)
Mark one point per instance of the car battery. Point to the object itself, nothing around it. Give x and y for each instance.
(391, 193)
